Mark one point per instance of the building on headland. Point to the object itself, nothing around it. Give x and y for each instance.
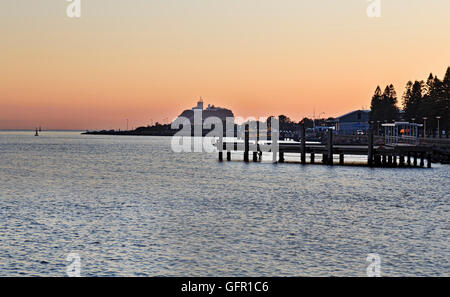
(209, 111)
(353, 123)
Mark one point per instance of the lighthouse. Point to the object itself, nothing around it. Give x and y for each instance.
(199, 104)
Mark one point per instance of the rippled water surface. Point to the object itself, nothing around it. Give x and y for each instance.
(130, 207)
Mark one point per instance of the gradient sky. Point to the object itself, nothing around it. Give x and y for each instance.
(148, 60)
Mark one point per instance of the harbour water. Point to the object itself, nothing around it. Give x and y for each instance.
(129, 206)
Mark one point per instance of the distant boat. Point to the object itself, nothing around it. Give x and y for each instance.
(37, 132)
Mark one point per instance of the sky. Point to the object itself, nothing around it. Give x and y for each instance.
(147, 60)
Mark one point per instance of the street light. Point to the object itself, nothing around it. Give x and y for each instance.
(439, 130)
(425, 126)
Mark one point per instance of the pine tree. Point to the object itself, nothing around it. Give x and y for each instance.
(412, 105)
(389, 104)
(384, 105)
(444, 109)
(375, 105)
(446, 80)
(428, 105)
(407, 95)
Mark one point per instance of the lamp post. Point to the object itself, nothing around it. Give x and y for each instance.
(439, 130)
(425, 126)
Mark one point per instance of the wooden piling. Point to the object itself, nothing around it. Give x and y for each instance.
(228, 156)
(247, 143)
(303, 144)
(312, 158)
(257, 136)
(281, 159)
(377, 160)
(429, 160)
(341, 159)
(384, 160)
(220, 148)
(422, 157)
(409, 159)
(370, 147)
(402, 160)
(330, 147)
(415, 159)
(255, 156)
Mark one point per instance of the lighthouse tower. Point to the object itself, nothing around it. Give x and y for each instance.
(199, 104)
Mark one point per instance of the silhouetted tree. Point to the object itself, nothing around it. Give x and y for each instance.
(430, 99)
(412, 101)
(407, 95)
(384, 106)
(444, 106)
(390, 103)
(375, 105)
(307, 122)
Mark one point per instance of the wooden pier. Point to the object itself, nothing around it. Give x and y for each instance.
(401, 155)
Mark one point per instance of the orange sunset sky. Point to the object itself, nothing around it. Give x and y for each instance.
(146, 60)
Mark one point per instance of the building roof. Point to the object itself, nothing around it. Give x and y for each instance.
(349, 113)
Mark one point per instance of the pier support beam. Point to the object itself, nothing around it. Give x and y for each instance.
(324, 159)
(228, 156)
(389, 160)
(220, 148)
(281, 159)
(422, 161)
(341, 159)
(409, 159)
(312, 158)
(394, 160)
(377, 159)
(257, 137)
(255, 156)
(247, 143)
(303, 145)
(402, 160)
(415, 160)
(370, 147)
(330, 147)
(429, 160)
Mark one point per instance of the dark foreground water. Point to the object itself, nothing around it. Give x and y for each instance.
(130, 207)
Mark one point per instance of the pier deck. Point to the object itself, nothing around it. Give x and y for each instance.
(400, 155)
(382, 156)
